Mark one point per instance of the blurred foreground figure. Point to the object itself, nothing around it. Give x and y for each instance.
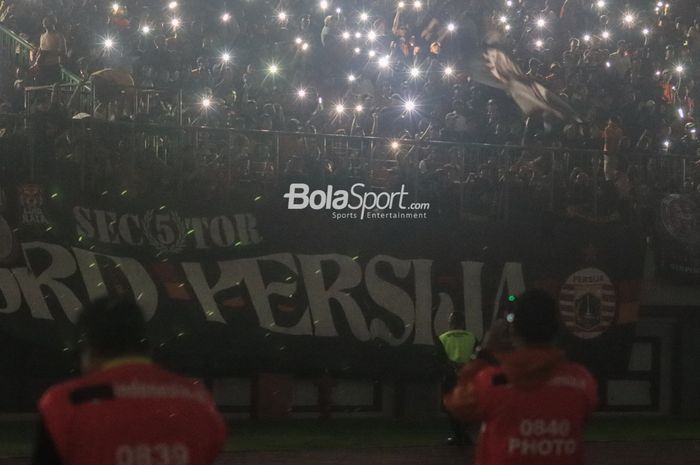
(125, 410)
(532, 402)
(458, 345)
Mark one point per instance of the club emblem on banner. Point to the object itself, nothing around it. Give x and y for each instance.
(165, 231)
(587, 303)
(680, 217)
(31, 199)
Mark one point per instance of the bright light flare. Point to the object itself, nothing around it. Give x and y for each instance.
(448, 71)
(539, 43)
(172, 5)
(108, 43)
(175, 23)
(359, 108)
(600, 4)
(414, 72)
(451, 27)
(503, 19)
(339, 108)
(679, 69)
(226, 17)
(364, 16)
(409, 106)
(605, 35)
(301, 93)
(305, 46)
(645, 31)
(384, 61)
(586, 37)
(273, 69)
(206, 102)
(628, 19)
(323, 4)
(282, 16)
(345, 35)
(225, 57)
(417, 5)
(371, 36)
(394, 145)
(541, 23)
(351, 78)
(402, 4)
(146, 30)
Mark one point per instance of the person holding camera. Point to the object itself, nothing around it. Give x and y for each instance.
(533, 404)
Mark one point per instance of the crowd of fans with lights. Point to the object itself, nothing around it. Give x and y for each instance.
(391, 69)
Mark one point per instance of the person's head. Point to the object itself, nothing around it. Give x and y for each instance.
(110, 328)
(670, 53)
(533, 64)
(536, 318)
(456, 320)
(329, 21)
(49, 23)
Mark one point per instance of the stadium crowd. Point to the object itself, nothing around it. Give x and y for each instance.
(394, 69)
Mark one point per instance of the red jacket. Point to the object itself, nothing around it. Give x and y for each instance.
(131, 413)
(533, 406)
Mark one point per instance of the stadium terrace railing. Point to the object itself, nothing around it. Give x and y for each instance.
(479, 180)
(85, 101)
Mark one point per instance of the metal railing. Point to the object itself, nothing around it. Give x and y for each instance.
(136, 101)
(480, 180)
(13, 47)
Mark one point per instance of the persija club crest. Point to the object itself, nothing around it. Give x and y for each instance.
(587, 303)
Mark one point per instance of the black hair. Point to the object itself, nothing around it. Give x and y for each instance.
(536, 317)
(113, 327)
